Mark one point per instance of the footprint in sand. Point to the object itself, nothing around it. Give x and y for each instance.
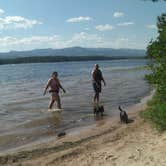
(115, 158)
(108, 157)
(151, 158)
(131, 157)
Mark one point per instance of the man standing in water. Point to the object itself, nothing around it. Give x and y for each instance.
(54, 85)
(97, 78)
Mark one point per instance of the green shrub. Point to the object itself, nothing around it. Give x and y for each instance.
(156, 51)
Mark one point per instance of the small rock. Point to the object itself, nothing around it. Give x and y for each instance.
(63, 133)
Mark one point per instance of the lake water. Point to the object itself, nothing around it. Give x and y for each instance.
(23, 108)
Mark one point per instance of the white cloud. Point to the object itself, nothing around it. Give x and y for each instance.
(151, 26)
(17, 22)
(122, 43)
(83, 36)
(86, 29)
(10, 22)
(118, 14)
(78, 19)
(125, 24)
(94, 40)
(27, 43)
(2, 11)
(83, 39)
(105, 27)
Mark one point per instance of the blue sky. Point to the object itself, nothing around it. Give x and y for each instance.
(31, 24)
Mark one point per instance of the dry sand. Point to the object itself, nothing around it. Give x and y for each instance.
(107, 143)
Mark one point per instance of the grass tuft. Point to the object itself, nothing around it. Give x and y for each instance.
(156, 113)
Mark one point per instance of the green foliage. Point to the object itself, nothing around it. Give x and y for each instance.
(156, 50)
(156, 112)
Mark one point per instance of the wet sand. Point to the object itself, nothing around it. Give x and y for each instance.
(108, 142)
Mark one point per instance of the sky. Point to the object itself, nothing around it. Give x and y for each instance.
(36, 24)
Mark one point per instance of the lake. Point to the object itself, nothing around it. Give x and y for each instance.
(23, 108)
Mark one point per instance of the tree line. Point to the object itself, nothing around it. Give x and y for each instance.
(46, 59)
(156, 51)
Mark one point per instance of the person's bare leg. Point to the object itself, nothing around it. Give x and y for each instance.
(53, 98)
(51, 103)
(97, 97)
(59, 102)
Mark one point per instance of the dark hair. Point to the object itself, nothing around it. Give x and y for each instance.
(97, 66)
(55, 73)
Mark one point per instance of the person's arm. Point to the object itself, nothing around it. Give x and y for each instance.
(60, 86)
(102, 78)
(93, 76)
(46, 87)
(104, 82)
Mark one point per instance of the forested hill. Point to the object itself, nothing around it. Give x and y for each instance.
(45, 59)
(69, 54)
(75, 51)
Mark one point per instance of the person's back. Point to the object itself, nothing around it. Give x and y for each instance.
(97, 77)
(54, 84)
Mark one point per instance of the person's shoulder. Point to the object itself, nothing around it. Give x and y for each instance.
(98, 70)
(93, 70)
(50, 79)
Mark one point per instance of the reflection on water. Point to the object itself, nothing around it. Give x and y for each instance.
(23, 108)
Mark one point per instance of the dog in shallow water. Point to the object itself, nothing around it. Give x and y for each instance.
(123, 115)
(98, 109)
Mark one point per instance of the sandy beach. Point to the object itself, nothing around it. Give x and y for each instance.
(82, 83)
(108, 142)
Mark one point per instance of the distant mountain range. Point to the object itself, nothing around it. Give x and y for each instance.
(75, 51)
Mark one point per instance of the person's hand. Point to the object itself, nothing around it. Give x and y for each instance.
(44, 93)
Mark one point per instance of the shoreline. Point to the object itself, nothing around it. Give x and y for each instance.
(33, 124)
(79, 129)
(74, 138)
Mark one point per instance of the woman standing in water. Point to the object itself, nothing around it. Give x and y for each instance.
(54, 85)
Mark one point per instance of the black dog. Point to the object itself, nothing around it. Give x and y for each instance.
(98, 109)
(123, 116)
